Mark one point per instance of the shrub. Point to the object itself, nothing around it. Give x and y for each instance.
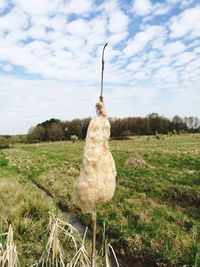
(4, 143)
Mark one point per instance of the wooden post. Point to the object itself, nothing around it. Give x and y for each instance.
(94, 229)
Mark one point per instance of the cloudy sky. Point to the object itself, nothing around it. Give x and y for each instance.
(50, 59)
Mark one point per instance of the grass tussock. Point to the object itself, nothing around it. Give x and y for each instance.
(133, 162)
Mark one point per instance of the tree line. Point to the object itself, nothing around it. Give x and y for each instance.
(57, 130)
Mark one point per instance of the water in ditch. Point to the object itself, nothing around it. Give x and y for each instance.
(68, 216)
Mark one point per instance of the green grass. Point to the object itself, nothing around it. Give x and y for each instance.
(155, 211)
(22, 206)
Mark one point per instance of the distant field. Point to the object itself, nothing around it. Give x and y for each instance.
(155, 214)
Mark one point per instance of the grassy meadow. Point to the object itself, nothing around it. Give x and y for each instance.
(154, 215)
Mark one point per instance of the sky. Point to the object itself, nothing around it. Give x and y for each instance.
(50, 59)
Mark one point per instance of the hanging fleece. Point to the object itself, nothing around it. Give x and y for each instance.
(96, 183)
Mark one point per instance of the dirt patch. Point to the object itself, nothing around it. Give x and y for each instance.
(136, 163)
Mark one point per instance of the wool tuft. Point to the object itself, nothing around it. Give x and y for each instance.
(96, 182)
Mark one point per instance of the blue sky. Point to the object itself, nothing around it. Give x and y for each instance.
(50, 59)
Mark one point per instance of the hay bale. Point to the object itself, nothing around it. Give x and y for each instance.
(136, 163)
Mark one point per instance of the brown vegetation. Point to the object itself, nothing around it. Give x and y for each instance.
(135, 163)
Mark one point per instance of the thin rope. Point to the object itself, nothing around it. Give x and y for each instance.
(102, 69)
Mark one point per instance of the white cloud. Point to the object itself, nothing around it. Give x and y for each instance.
(57, 22)
(76, 6)
(135, 65)
(116, 38)
(7, 67)
(158, 43)
(55, 99)
(174, 2)
(39, 48)
(195, 43)
(36, 32)
(3, 5)
(160, 62)
(184, 58)
(141, 61)
(186, 3)
(14, 20)
(22, 109)
(79, 27)
(188, 22)
(197, 50)
(149, 10)
(193, 66)
(166, 74)
(109, 6)
(142, 7)
(140, 75)
(12, 38)
(141, 39)
(72, 43)
(173, 48)
(38, 7)
(161, 9)
(118, 22)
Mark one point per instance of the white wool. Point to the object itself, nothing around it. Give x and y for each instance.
(96, 183)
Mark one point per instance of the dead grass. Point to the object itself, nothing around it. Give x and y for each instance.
(8, 254)
(54, 252)
(135, 163)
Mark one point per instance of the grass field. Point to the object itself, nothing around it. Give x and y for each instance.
(154, 215)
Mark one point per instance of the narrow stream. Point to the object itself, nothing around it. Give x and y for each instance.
(68, 216)
(123, 260)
